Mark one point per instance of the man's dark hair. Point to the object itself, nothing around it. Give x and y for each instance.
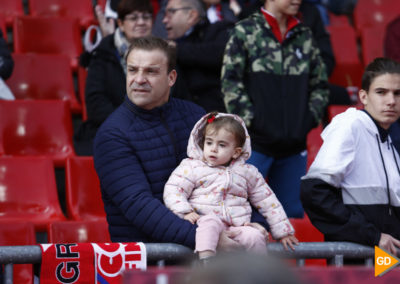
(126, 7)
(377, 67)
(155, 43)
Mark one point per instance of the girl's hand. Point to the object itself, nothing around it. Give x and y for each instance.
(289, 241)
(192, 217)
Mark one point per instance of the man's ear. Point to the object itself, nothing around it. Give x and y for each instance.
(237, 153)
(194, 17)
(172, 77)
(363, 96)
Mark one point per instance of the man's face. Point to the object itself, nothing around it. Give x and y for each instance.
(178, 18)
(382, 100)
(136, 24)
(283, 7)
(148, 82)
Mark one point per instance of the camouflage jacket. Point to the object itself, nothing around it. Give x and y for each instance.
(280, 90)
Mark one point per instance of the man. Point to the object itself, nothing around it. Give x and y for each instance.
(200, 47)
(140, 144)
(352, 190)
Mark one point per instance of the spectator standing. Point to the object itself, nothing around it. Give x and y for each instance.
(273, 77)
(352, 190)
(200, 48)
(105, 83)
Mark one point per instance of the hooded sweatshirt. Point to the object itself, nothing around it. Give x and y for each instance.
(225, 191)
(352, 190)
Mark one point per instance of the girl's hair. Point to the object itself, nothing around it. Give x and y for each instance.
(377, 67)
(228, 123)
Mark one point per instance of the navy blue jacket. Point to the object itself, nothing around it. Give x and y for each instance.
(135, 151)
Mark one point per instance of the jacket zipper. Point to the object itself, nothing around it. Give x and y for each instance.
(386, 176)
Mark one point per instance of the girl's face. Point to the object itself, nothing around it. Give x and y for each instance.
(220, 147)
(382, 100)
(283, 7)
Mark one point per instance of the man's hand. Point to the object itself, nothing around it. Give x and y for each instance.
(289, 241)
(260, 228)
(107, 26)
(226, 241)
(192, 217)
(390, 244)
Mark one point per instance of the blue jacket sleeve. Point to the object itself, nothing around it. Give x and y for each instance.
(123, 180)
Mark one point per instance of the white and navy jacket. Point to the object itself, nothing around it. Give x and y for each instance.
(352, 190)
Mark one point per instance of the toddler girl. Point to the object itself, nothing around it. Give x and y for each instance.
(215, 186)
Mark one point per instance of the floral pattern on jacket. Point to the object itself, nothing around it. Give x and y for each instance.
(223, 191)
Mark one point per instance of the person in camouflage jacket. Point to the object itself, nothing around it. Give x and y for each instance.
(278, 85)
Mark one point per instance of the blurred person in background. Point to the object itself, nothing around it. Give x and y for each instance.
(105, 84)
(200, 48)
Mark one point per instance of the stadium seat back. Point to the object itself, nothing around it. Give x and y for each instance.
(29, 191)
(78, 232)
(348, 69)
(18, 234)
(372, 13)
(372, 41)
(81, 10)
(36, 128)
(334, 110)
(83, 190)
(43, 77)
(57, 35)
(314, 143)
(11, 9)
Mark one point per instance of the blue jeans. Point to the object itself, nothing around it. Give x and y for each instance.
(283, 176)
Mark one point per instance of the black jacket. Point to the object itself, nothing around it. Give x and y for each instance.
(199, 60)
(104, 92)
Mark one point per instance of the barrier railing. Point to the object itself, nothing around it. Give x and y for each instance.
(334, 252)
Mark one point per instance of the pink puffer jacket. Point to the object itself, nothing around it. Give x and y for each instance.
(223, 191)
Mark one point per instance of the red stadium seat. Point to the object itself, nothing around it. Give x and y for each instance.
(48, 35)
(83, 193)
(29, 191)
(18, 234)
(43, 76)
(81, 10)
(370, 13)
(372, 39)
(36, 128)
(78, 232)
(348, 69)
(338, 20)
(11, 9)
(334, 110)
(314, 142)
